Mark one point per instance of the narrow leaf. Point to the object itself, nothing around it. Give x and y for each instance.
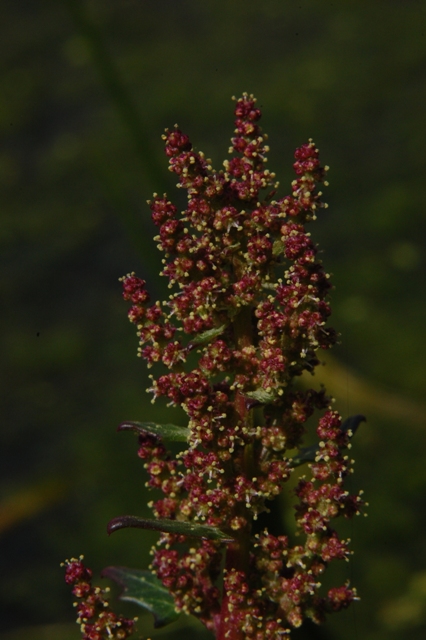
(168, 526)
(146, 590)
(352, 423)
(307, 454)
(168, 432)
(207, 336)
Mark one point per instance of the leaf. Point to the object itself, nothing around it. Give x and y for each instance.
(261, 396)
(352, 423)
(146, 590)
(308, 454)
(206, 336)
(169, 432)
(168, 526)
(277, 248)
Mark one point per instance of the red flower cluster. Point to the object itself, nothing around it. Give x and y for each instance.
(96, 620)
(249, 306)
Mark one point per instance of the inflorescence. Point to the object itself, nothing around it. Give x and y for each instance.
(96, 620)
(246, 317)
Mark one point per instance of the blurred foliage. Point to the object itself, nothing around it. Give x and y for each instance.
(87, 88)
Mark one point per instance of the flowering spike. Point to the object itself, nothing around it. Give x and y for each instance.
(246, 316)
(250, 299)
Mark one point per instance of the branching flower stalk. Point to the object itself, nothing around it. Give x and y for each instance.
(246, 317)
(94, 615)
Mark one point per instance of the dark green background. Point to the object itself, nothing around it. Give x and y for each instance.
(87, 88)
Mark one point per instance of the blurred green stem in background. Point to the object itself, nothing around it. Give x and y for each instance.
(117, 91)
(129, 115)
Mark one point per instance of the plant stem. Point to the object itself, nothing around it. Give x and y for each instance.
(237, 553)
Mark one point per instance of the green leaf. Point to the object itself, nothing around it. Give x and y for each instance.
(168, 432)
(277, 248)
(168, 526)
(352, 423)
(146, 590)
(262, 396)
(207, 336)
(307, 454)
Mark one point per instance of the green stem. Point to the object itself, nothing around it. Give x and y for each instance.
(136, 228)
(237, 554)
(117, 91)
